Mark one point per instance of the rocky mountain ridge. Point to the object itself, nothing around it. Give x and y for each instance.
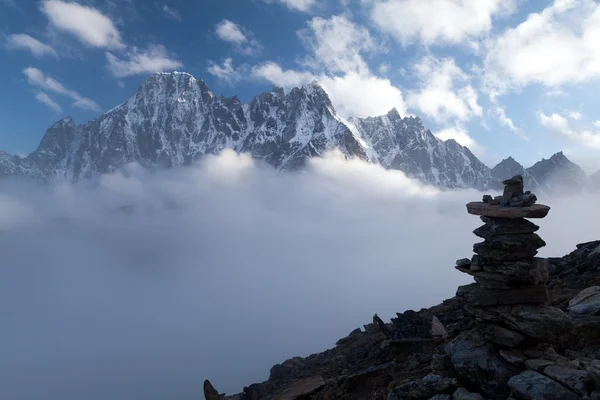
(174, 119)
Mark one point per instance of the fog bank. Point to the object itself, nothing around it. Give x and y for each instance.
(142, 285)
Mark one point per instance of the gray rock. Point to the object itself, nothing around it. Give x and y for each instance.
(463, 394)
(478, 363)
(502, 336)
(463, 262)
(513, 356)
(438, 329)
(531, 385)
(525, 200)
(535, 321)
(493, 211)
(427, 387)
(503, 226)
(586, 302)
(441, 397)
(594, 372)
(537, 364)
(574, 379)
(475, 296)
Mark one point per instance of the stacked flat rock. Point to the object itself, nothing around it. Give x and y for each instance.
(510, 281)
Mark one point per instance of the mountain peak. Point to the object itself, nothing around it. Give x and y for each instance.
(393, 114)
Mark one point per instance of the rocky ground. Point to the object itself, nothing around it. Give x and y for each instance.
(539, 347)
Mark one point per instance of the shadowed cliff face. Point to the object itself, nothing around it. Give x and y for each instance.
(141, 285)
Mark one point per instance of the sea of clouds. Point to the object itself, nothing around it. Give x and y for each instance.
(141, 285)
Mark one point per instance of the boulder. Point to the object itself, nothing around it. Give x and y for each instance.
(574, 379)
(593, 371)
(475, 296)
(586, 302)
(425, 388)
(536, 321)
(502, 336)
(530, 241)
(478, 363)
(505, 226)
(441, 397)
(493, 253)
(438, 329)
(513, 356)
(210, 393)
(495, 211)
(531, 385)
(463, 394)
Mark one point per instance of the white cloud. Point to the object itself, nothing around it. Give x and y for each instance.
(154, 59)
(171, 13)
(38, 79)
(47, 100)
(356, 95)
(384, 68)
(434, 22)
(597, 124)
(574, 115)
(88, 24)
(296, 5)
(556, 46)
(336, 44)
(25, 42)
(352, 94)
(500, 113)
(559, 124)
(225, 72)
(242, 40)
(445, 92)
(462, 137)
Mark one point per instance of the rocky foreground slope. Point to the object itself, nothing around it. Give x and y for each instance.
(529, 328)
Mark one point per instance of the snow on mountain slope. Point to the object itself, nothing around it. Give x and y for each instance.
(405, 144)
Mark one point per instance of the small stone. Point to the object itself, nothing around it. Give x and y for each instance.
(427, 387)
(513, 187)
(537, 364)
(491, 252)
(438, 329)
(488, 210)
(525, 200)
(574, 379)
(463, 394)
(505, 226)
(487, 198)
(531, 385)
(463, 262)
(513, 356)
(441, 397)
(586, 302)
(210, 393)
(302, 388)
(502, 336)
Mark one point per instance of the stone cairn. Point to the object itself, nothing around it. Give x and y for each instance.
(509, 296)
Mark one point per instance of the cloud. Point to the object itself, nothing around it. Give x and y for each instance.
(559, 124)
(23, 41)
(500, 113)
(335, 61)
(47, 100)
(461, 136)
(88, 24)
(153, 59)
(140, 304)
(9, 3)
(445, 92)
(296, 5)
(38, 79)
(557, 46)
(597, 124)
(574, 115)
(225, 72)
(336, 44)
(171, 13)
(242, 40)
(437, 22)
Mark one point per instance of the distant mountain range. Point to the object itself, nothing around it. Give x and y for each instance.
(174, 119)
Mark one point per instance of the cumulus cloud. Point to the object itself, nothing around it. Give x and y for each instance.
(153, 59)
(86, 23)
(462, 137)
(242, 39)
(38, 79)
(142, 285)
(445, 92)
(224, 72)
(335, 61)
(48, 102)
(437, 22)
(23, 41)
(556, 46)
(560, 124)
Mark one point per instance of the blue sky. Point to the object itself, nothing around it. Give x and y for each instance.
(504, 77)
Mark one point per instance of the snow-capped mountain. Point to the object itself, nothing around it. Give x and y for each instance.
(558, 174)
(173, 119)
(405, 144)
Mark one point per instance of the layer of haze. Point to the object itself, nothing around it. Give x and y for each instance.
(141, 285)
